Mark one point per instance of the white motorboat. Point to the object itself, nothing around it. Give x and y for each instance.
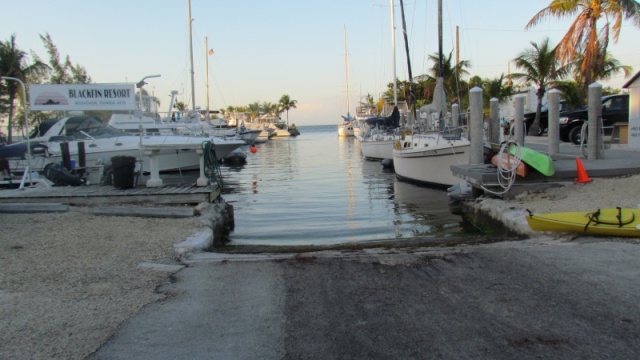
(189, 123)
(102, 142)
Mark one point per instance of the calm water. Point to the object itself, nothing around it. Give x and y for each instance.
(316, 189)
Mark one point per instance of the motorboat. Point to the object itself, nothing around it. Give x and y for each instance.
(178, 123)
(100, 142)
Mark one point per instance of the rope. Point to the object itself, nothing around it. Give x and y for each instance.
(506, 174)
(211, 166)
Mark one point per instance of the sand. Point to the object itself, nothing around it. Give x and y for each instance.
(68, 280)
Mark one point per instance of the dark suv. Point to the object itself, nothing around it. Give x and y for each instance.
(544, 117)
(615, 108)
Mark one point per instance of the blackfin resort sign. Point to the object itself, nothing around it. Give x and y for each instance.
(68, 97)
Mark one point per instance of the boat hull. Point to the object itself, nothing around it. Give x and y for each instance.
(429, 161)
(174, 155)
(611, 222)
(377, 149)
(345, 130)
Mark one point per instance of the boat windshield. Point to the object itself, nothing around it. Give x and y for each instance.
(81, 127)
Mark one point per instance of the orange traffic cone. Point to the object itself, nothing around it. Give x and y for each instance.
(582, 173)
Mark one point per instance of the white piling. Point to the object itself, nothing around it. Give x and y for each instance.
(476, 126)
(553, 128)
(594, 144)
(455, 115)
(519, 119)
(494, 124)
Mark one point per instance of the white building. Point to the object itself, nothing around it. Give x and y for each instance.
(633, 129)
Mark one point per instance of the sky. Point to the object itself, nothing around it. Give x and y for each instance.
(264, 49)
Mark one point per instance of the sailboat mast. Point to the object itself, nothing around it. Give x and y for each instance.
(206, 66)
(346, 64)
(393, 51)
(193, 87)
(440, 70)
(411, 101)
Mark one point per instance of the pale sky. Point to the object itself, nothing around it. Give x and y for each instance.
(266, 48)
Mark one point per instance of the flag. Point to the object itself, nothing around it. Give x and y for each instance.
(210, 52)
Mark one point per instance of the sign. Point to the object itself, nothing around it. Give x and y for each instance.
(68, 97)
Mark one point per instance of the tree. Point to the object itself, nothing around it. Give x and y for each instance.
(499, 88)
(452, 75)
(13, 63)
(285, 104)
(254, 110)
(610, 67)
(63, 73)
(584, 39)
(541, 67)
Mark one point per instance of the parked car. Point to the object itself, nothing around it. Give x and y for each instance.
(615, 108)
(544, 118)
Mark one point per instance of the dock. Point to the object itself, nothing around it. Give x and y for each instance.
(618, 160)
(97, 195)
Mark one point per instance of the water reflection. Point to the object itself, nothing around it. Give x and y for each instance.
(317, 189)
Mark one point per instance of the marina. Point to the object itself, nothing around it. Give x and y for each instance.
(313, 189)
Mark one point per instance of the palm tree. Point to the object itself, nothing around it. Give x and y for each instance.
(254, 110)
(541, 68)
(451, 74)
(13, 63)
(610, 67)
(499, 88)
(584, 39)
(285, 104)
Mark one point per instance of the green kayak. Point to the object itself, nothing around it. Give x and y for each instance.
(537, 160)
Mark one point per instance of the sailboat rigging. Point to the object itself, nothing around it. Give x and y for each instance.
(381, 133)
(426, 157)
(345, 129)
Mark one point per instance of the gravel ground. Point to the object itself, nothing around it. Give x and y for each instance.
(69, 280)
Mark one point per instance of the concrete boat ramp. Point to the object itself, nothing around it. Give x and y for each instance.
(618, 160)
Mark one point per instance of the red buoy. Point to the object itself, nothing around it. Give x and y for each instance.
(254, 149)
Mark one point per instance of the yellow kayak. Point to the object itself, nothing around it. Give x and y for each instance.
(608, 222)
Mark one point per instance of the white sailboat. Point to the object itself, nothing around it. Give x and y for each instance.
(377, 142)
(426, 157)
(346, 127)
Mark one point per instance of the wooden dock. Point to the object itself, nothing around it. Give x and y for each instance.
(96, 195)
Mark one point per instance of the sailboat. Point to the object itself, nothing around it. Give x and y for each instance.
(381, 134)
(345, 128)
(426, 157)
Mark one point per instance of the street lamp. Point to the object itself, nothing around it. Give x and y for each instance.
(26, 120)
(139, 85)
